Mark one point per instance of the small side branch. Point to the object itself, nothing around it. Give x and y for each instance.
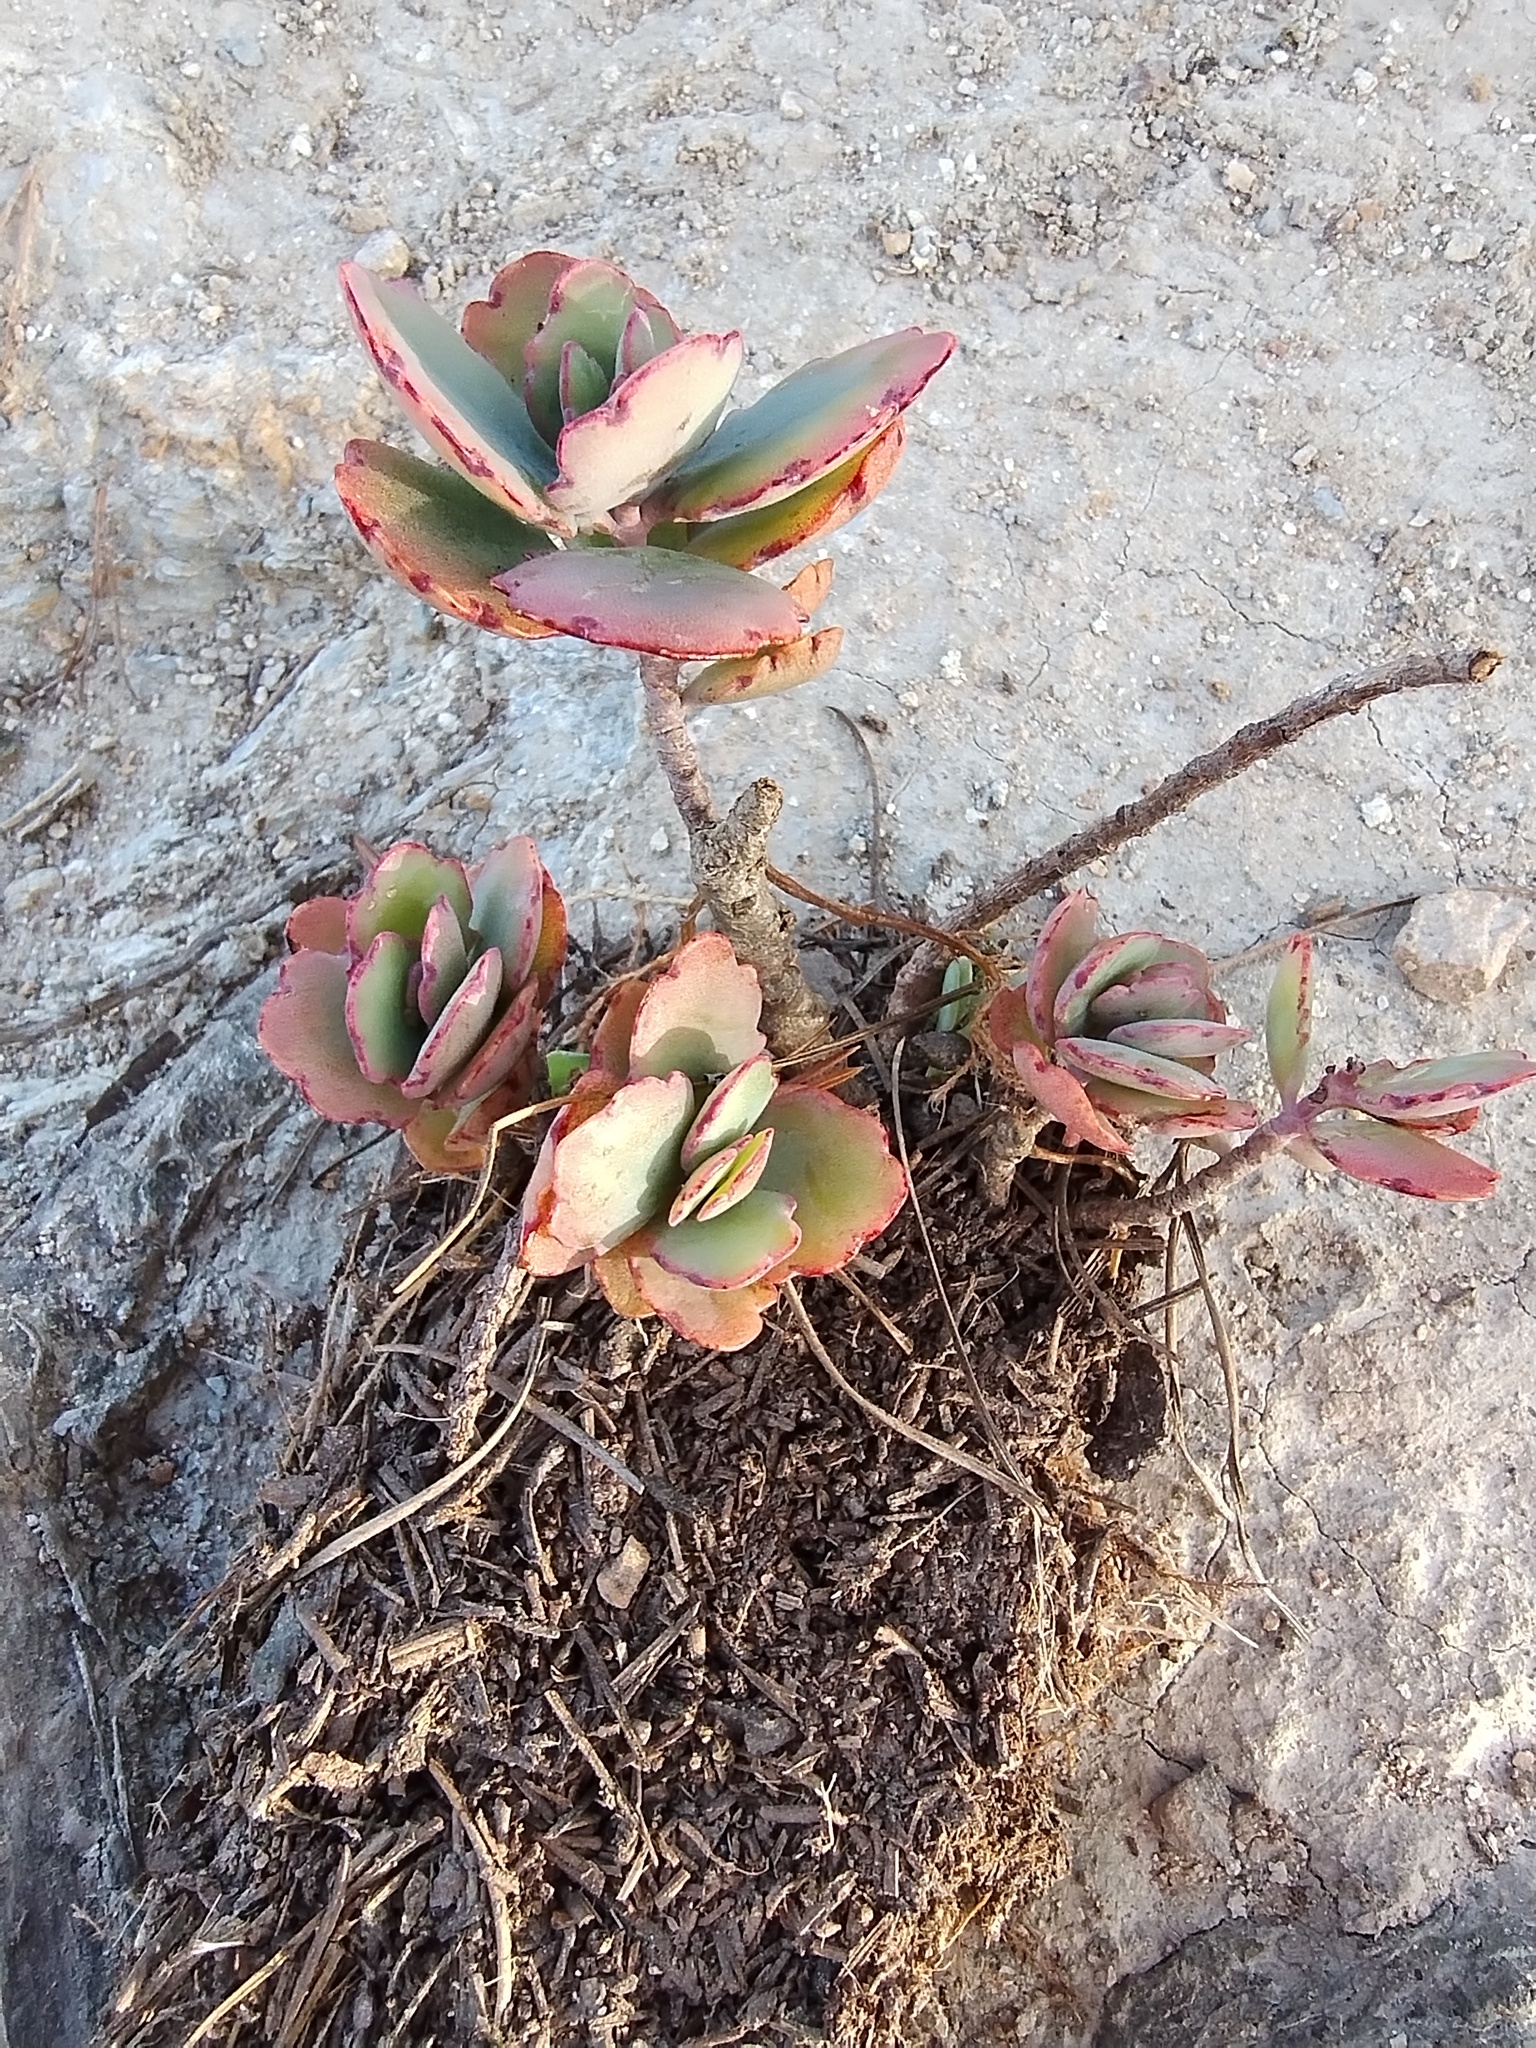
(1253, 743)
(730, 866)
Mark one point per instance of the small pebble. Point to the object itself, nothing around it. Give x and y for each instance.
(1457, 943)
(1463, 246)
(620, 1581)
(386, 253)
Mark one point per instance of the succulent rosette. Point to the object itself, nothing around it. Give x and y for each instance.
(1122, 1031)
(595, 483)
(686, 1175)
(416, 1003)
(1380, 1123)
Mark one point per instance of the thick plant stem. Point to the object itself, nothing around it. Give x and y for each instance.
(1178, 791)
(1207, 1185)
(730, 866)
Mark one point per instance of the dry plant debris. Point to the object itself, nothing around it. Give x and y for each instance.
(691, 1704)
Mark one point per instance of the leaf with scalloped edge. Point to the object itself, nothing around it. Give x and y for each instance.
(399, 892)
(463, 407)
(303, 1031)
(501, 325)
(811, 513)
(733, 1250)
(720, 1319)
(619, 1168)
(613, 453)
(653, 601)
(817, 418)
(834, 1163)
(732, 1108)
(700, 1017)
(318, 926)
(1390, 1156)
(767, 673)
(1064, 1099)
(439, 536)
(1288, 1018)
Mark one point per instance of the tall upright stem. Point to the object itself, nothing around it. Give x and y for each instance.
(730, 866)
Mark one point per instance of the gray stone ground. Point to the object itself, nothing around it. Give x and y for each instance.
(1247, 297)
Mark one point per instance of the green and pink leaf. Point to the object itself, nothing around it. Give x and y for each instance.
(700, 1017)
(303, 1031)
(1408, 1162)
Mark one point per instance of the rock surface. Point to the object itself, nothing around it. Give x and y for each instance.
(1457, 942)
(1100, 555)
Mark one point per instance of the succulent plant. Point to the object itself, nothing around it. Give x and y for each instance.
(1120, 1031)
(416, 1003)
(1379, 1122)
(596, 485)
(686, 1176)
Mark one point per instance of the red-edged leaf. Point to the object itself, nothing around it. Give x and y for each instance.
(610, 1042)
(583, 386)
(1179, 1038)
(398, 895)
(648, 331)
(1064, 1099)
(705, 1178)
(618, 1284)
(734, 1250)
(732, 1108)
(1431, 1088)
(1224, 1116)
(652, 601)
(436, 534)
(454, 1140)
(549, 953)
(1174, 989)
(811, 586)
(385, 1036)
(458, 1032)
(766, 674)
(834, 1163)
(471, 415)
(1007, 1019)
(444, 959)
(752, 538)
(501, 325)
(748, 1161)
(1099, 1059)
(303, 1031)
(1288, 1018)
(508, 1042)
(700, 1017)
(613, 454)
(619, 1168)
(721, 1319)
(1113, 960)
(507, 892)
(590, 303)
(1067, 935)
(319, 926)
(1388, 1156)
(816, 419)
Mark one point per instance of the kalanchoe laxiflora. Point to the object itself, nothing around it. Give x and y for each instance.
(596, 485)
(1380, 1123)
(416, 1003)
(686, 1175)
(1122, 1031)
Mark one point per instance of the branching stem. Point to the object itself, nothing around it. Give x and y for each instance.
(1206, 1185)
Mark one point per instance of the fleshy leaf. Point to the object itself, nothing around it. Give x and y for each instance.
(1224, 1116)
(734, 1250)
(1066, 937)
(1007, 1019)
(815, 419)
(1436, 1087)
(564, 1069)
(721, 1319)
(507, 904)
(748, 1161)
(705, 1178)
(439, 536)
(1064, 1099)
(835, 1164)
(465, 1020)
(617, 1169)
(444, 959)
(501, 325)
(732, 1108)
(647, 332)
(1100, 1059)
(805, 515)
(402, 886)
(582, 383)
(700, 1017)
(652, 601)
(469, 414)
(1179, 1038)
(319, 926)
(590, 304)
(1288, 1018)
(1388, 1156)
(496, 1060)
(765, 674)
(1111, 961)
(1173, 989)
(303, 1031)
(549, 953)
(383, 1036)
(618, 1284)
(811, 586)
(959, 980)
(614, 454)
(610, 1041)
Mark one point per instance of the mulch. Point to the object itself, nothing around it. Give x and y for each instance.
(579, 1686)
